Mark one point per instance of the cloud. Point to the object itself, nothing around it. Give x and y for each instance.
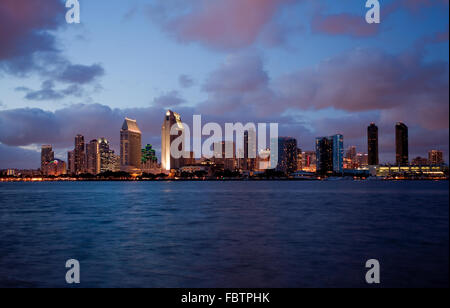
(47, 92)
(222, 25)
(28, 45)
(356, 25)
(167, 100)
(186, 81)
(343, 24)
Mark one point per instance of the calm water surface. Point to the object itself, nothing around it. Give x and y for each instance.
(224, 234)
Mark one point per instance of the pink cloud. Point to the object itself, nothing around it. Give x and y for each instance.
(225, 25)
(344, 24)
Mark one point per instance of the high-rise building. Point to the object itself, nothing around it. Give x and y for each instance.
(109, 162)
(287, 154)
(93, 157)
(401, 144)
(372, 142)
(71, 162)
(309, 161)
(250, 151)
(130, 146)
(168, 162)
(47, 155)
(324, 155)
(338, 153)
(299, 160)
(225, 154)
(80, 155)
(351, 153)
(436, 157)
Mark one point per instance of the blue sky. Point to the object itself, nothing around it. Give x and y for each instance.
(143, 47)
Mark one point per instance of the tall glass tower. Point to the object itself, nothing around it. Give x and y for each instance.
(168, 162)
(401, 144)
(130, 146)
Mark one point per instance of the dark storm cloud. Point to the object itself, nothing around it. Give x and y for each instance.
(28, 46)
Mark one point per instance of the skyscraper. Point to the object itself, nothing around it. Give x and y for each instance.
(225, 154)
(130, 146)
(372, 142)
(71, 162)
(168, 162)
(109, 162)
(249, 161)
(324, 155)
(338, 153)
(79, 155)
(47, 155)
(93, 157)
(287, 154)
(401, 144)
(436, 157)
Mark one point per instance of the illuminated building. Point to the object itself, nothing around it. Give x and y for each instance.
(309, 161)
(93, 157)
(362, 160)
(168, 162)
(249, 161)
(263, 160)
(109, 162)
(436, 157)
(55, 167)
(330, 154)
(149, 161)
(79, 155)
(419, 161)
(71, 162)
(372, 142)
(130, 146)
(287, 154)
(299, 160)
(225, 154)
(324, 155)
(401, 144)
(47, 154)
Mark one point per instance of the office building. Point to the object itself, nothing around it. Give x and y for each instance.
(436, 157)
(71, 162)
(324, 156)
(401, 144)
(55, 167)
(372, 142)
(79, 155)
(225, 154)
(287, 154)
(93, 157)
(130, 146)
(109, 162)
(168, 162)
(47, 155)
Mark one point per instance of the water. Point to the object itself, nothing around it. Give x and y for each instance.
(224, 234)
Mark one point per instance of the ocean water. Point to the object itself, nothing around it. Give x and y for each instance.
(224, 234)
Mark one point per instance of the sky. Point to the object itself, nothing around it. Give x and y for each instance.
(315, 67)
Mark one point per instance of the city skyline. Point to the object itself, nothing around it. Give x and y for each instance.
(90, 157)
(316, 69)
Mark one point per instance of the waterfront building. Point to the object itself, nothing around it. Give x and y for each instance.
(93, 157)
(79, 155)
(330, 154)
(225, 155)
(250, 150)
(109, 162)
(47, 154)
(168, 162)
(372, 142)
(55, 167)
(309, 161)
(130, 146)
(401, 144)
(287, 154)
(436, 157)
(71, 162)
(324, 155)
(420, 161)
